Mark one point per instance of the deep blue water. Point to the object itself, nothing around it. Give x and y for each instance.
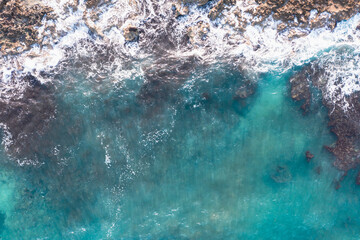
(191, 163)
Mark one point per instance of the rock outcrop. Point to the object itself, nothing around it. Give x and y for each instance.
(92, 3)
(215, 12)
(309, 156)
(198, 32)
(25, 112)
(307, 13)
(343, 122)
(131, 33)
(19, 23)
(301, 83)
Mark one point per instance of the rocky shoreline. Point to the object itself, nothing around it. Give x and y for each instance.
(24, 24)
(19, 25)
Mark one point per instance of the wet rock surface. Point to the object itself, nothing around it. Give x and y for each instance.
(180, 9)
(19, 23)
(25, 113)
(300, 88)
(198, 32)
(309, 13)
(293, 13)
(216, 11)
(343, 122)
(131, 33)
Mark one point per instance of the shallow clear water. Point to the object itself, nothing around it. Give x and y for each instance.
(192, 164)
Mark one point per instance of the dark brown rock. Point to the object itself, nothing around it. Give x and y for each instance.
(344, 123)
(198, 32)
(131, 33)
(358, 178)
(19, 21)
(216, 11)
(245, 91)
(92, 3)
(309, 156)
(300, 88)
(26, 113)
(288, 11)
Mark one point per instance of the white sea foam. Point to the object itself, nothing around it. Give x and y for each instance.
(259, 48)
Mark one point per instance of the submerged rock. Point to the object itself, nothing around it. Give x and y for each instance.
(358, 179)
(281, 174)
(300, 88)
(25, 113)
(309, 156)
(346, 126)
(318, 170)
(301, 83)
(245, 91)
(344, 122)
(164, 77)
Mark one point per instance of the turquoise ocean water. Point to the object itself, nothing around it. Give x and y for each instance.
(192, 164)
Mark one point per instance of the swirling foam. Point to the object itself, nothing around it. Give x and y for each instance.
(259, 48)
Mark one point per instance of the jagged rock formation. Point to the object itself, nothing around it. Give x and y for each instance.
(219, 7)
(299, 13)
(301, 83)
(343, 122)
(198, 32)
(296, 16)
(131, 33)
(19, 21)
(92, 3)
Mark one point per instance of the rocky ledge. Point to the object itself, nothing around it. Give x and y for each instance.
(19, 23)
(296, 16)
(308, 13)
(343, 122)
